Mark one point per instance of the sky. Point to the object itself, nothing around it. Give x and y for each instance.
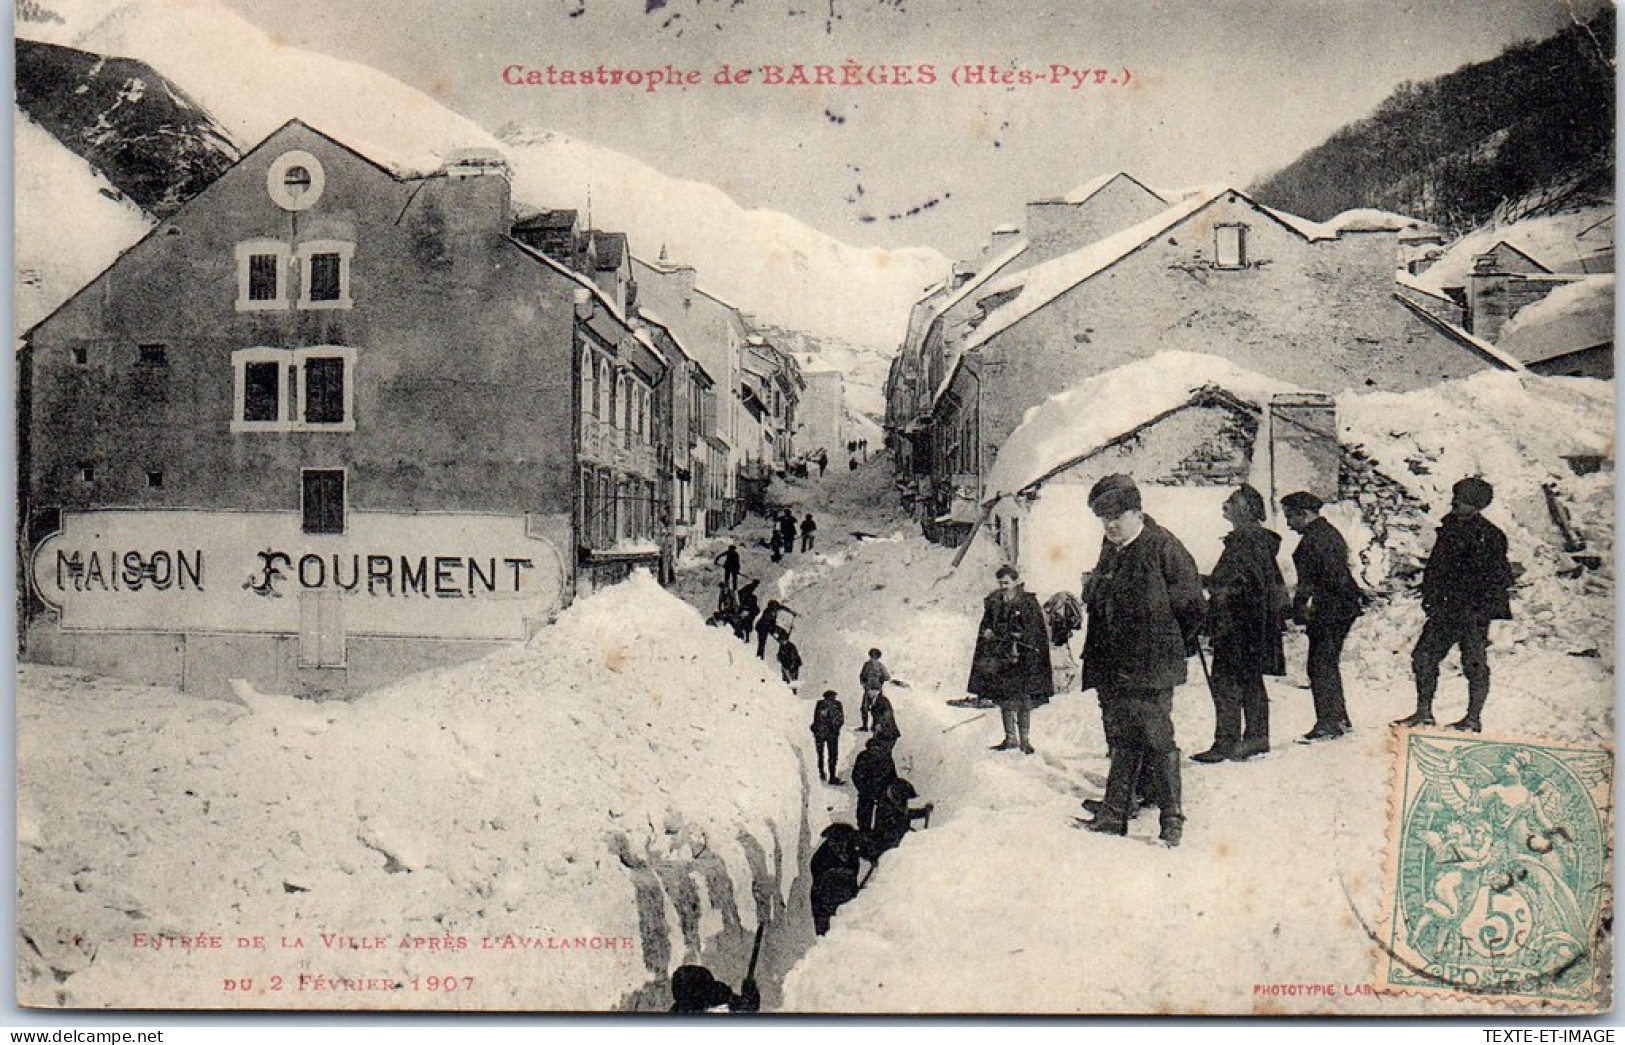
(1206, 90)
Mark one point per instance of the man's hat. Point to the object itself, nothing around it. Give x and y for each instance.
(1114, 495)
(1302, 501)
(694, 989)
(1474, 492)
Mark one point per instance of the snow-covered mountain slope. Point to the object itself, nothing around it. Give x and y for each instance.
(767, 263)
(56, 192)
(130, 123)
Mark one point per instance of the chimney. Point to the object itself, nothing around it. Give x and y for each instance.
(474, 194)
(1051, 227)
(1304, 451)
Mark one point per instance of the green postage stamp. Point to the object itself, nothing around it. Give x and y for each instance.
(1499, 871)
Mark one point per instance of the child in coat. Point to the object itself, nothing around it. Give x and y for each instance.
(873, 676)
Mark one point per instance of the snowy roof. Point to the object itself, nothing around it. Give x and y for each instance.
(592, 288)
(1083, 193)
(1041, 284)
(1370, 219)
(1087, 416)
(1460, 336)
(987, 272)
(1410, 282)
(1569, 319)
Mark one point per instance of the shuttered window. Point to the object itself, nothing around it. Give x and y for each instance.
(323, 500)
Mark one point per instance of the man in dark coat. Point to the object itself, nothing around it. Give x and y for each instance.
(1246, 615)
(872, 772)
(1011, 665)
(1463, 588)
(1326, 603)
(809, 530)
(787, 531)
(1144, 600)
(745, 616)
(729, 561)
(834, 873)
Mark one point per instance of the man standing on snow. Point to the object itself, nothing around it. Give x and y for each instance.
(1246, 610)
(1011, 665)
(808, 530)
(1326, 604)
(729, 561)
(1463, 588)
(1145, 611)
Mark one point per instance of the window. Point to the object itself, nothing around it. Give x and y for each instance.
(324, 390)
(295, 180)
(1230, 246)
(155, 480)
(322, 500)
(589, 394)
(292, 390)
(262, 272)
(324, 277)
(81, 357)
(325, 274)
(154, 355)
(262, 393)
(87, 472)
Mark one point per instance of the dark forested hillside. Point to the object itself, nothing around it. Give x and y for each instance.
(1530, 131)
(140, 131)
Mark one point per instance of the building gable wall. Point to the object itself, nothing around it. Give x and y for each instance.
(462, 347)
(1320, 315)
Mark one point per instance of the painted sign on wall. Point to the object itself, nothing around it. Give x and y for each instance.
(430, 575)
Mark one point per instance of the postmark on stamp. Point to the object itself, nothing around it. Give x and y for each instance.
(1498, 871)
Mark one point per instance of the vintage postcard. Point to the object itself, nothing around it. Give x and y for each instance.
(855, 507)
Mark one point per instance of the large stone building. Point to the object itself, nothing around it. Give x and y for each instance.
(1214, 272)
(327, 424)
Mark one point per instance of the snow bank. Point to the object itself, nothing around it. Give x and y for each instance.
(630, 775)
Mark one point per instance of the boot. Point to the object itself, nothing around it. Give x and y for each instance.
(1113, 816)
(1477, 693)
(1219, 752)
(1250, 749)
(1417, 718)
(1169, 795)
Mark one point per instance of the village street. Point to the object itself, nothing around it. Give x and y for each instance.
(152, 814)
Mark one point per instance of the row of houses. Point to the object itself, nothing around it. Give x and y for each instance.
(1115, 272)
(329, 423)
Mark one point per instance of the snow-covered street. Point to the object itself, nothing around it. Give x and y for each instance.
(569, 819)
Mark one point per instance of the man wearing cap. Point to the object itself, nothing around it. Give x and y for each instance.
(1246, 615)
(1326, 603)
(1463, 588)
(1145, 610)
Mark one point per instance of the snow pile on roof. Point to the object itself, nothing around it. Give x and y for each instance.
(63, 192)
(1368, 219)
(628, 774)
(1089, 414)
(1549, 239)
(1576, 316)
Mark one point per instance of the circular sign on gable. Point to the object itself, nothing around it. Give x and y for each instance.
(295, 180)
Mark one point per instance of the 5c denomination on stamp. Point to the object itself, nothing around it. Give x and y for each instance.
(1498, 871)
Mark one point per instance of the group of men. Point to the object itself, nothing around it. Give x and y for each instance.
(1147, 609)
